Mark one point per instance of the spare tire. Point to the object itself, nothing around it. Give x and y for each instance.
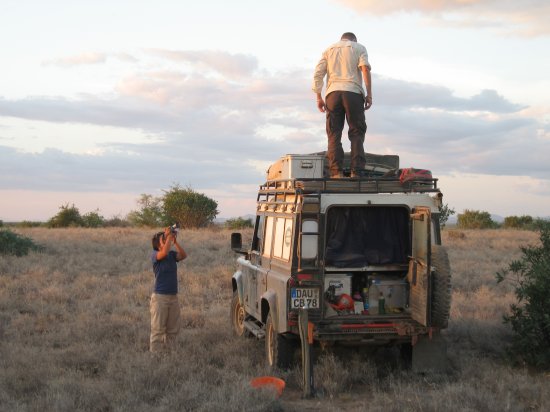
(441, 287)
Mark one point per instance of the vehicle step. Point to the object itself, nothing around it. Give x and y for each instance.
(253, 328)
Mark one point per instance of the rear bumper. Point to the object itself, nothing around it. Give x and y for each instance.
(373, 331)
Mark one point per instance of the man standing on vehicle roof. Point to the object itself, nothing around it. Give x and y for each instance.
(345, 64)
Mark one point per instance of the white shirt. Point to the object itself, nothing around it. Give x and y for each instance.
(341, 64)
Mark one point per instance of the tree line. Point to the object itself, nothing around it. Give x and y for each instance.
(182, 205)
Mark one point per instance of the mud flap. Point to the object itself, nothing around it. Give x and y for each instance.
(307, 365)
(430, 355)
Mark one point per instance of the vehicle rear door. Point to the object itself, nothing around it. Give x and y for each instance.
(419, 265)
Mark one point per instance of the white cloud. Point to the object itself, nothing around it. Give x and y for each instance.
(526, 18)
(214, 132)
(87, 58)
(226, 64)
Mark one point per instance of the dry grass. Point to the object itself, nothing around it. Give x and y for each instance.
(74, 326)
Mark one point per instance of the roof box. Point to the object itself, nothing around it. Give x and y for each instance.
(315, 166)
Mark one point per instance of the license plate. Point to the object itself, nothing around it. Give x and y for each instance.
(306, 298)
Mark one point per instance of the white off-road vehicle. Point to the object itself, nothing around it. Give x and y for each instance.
(362, 255)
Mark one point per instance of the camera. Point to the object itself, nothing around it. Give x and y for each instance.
(174, 229)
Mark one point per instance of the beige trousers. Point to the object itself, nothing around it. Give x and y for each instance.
(165, 321)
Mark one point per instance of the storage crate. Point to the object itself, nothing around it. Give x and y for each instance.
(341, 282)
(292, 166)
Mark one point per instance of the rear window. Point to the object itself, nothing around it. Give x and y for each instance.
(367, 235)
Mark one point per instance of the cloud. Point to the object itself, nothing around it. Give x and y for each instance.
(528, 18)
(87, 58)
(213, 132)
(226, 64)
(410, 94)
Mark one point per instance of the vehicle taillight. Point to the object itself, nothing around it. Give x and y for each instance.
(305, 276)
(291, 282)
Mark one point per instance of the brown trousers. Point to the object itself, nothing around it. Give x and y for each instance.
(341, 106)
(165, 321)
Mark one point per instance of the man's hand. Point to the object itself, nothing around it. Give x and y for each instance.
(321, 104)
(368, 102)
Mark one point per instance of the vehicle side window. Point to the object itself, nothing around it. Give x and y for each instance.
(268, 236)
(309, 239)
(259, 234)
(283, 238)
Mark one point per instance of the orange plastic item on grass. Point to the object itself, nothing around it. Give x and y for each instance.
(269, 382)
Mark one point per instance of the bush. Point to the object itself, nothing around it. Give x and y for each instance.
(68, 216)
(150, 213)
(475, 219)
(518, 222)
(541, 224)
(117, 221)
(28, 224)
(445, 212)
(189, 208)
(13, 244)
(530, 317)
(93, 219)
(238, 223)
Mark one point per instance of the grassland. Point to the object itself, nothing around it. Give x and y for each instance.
(74, 326)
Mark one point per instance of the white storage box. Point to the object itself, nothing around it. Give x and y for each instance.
(341, 282)
(292, 166)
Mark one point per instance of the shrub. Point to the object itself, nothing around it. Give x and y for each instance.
(68, 216)
(93, 219)
(150, 213)
(445, 212)
(238, 223)
(541, 224)
(189, 208)
(530, 317)
(28, 223)
(13, 244)
(117, 221)
(475, 219)
(518, 222)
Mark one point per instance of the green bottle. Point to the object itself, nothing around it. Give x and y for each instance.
(381, 304)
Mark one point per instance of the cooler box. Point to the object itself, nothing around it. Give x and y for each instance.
(341, 282)
(395, 293)
(292, 166)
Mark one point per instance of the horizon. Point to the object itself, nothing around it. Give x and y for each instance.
(173, 93)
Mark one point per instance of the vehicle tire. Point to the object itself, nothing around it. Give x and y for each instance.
(441, 287)
(279, 350)
(238, 315)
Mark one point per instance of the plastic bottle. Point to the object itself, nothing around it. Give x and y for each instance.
(366, 298)
(381, 304)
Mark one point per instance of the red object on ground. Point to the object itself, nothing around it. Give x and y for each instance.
(269, 382)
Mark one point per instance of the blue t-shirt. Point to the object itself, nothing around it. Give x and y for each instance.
(166, 273)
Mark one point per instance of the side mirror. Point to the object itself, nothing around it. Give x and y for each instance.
(236, 242)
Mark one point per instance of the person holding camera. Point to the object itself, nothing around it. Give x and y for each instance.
(346, 66)
(165, 308)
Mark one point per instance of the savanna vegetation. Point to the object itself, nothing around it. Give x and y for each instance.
(74, 328)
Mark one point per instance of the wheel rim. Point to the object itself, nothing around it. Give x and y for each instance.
(239, 318)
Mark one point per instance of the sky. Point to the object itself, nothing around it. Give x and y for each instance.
(101, 101)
